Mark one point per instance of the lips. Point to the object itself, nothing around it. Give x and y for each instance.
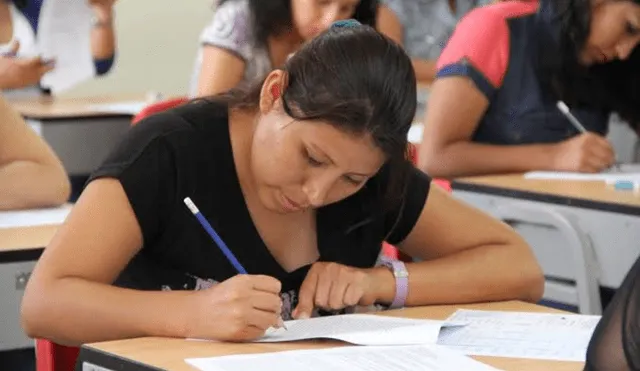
(289, 204)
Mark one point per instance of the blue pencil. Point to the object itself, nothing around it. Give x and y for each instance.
(205, 224)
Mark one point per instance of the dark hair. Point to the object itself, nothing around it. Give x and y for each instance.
(357, 80)
(612, 86)
(273, 17)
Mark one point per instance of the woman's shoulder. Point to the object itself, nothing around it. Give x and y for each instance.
(231, 28)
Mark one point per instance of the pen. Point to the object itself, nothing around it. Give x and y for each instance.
(216, 238)
(567, 113)
(574, 121)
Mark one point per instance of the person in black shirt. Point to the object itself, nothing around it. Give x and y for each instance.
(303, 176)
(615, 345)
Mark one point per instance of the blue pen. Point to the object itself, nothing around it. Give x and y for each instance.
(205, 224)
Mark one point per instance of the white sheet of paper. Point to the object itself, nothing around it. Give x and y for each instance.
(361, 329)
(35, 217)
(626, 172)
(415, 133)
(520, 335)
(352, 358)
(129, 108)
(64, 31)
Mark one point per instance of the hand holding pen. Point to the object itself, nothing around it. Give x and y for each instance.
(586, 153)
(240, 308)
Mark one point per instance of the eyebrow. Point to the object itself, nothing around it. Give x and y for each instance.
(324, 154)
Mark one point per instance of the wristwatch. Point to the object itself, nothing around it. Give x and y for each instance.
(401, 274)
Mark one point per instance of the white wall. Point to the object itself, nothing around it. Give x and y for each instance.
(157, 42)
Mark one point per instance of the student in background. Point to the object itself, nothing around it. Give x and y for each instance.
(423, 27)
(615, 343)
(303, 175)
(21, 67)
(247, 38)
(493, 105)
(31, 175)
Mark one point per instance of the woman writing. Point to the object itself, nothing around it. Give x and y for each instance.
(494, 105)
(303, 177)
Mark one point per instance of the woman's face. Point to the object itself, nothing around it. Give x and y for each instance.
(298, 165)
(311, 17)
(615, 31)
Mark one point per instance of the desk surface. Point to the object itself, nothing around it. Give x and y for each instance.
(576, 193)
(60, 108)
(169, 354)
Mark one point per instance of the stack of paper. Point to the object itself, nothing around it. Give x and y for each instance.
(125, 108)
(352, 358)
(520, 335)
(32, 218)
(629, 172)
(361, 329)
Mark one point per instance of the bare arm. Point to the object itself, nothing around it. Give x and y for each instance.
(70, 286)
(389, 25)
(447, 151)
(103, 40)
(31, 175)
(219, 72)
(468, 257)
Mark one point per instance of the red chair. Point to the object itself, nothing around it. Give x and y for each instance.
(54, 357)
(158, 107)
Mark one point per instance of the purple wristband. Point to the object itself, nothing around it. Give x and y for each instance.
(401, 275)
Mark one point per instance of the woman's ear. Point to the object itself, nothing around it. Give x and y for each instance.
(272, 91)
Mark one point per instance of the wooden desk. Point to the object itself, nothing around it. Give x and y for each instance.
(147, 354)
(20, 248)
(611, 219)
(79, 133)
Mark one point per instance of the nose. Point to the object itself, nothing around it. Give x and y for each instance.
(316, 189)
(625, 48)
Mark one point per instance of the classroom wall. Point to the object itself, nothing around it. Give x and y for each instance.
(157, 42)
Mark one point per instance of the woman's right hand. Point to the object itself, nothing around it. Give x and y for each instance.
(239, 309)
(584, 153)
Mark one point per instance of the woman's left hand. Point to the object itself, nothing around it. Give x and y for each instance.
(334, 286)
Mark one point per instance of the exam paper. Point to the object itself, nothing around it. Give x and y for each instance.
(375, 358)
(361, 329)
(64, 30)
(35, 217)
(520, 335)
(625, 172)
(128, 108)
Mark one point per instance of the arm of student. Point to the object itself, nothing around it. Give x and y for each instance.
(220, 71)
(425, 70)
(468, 257)
(471, 70)
(388, 24)
(103, 40)
(70, 286)
(31, 175)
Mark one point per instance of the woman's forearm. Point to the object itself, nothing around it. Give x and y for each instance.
(25, 184)
(103, 40)
(488, 273)
(467, 159)
(73, 311)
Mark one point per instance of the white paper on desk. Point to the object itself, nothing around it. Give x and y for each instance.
(562, 337)
(129, 108)
(351, 358)
(361, 329)
(64, 31)
(35, 217)
(625, 172)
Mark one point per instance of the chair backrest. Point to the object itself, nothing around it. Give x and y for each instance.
(54, 357)
(158, 107)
